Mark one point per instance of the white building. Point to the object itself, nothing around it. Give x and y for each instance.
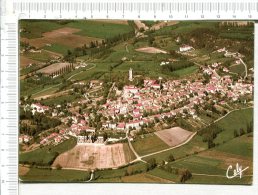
(130, 74)
(185, 48)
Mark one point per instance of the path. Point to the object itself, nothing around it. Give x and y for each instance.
(91, 176)
(111, 88)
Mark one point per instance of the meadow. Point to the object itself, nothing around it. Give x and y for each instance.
(149, 144)
(46, 155)
(53, 175)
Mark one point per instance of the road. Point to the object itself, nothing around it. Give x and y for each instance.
(244, 65)
(111, 88)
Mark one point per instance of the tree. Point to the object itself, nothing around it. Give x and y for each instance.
(241, 132)
(211, 144)
(171, 158)
(185, 174)
(151, 164)
(58, 167)
(236, 133)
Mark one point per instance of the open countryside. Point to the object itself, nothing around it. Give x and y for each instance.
(136, 101)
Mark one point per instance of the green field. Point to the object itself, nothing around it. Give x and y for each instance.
(46, 155)
(99, 29)
(59, 100)
(149, 144)
(46, 175)
(58, 48)
(164, 174)
(195, 145)
(35, 28)
(197, 164)
(200, 179)
(42, 57)
(239, 69)
(185, 71)
(110, 174)
(233, 121)
(242, 146)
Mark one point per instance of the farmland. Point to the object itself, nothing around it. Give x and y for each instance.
(174, 136)
(150, 143)
(46, 155)
(48, 175)
(91, 157)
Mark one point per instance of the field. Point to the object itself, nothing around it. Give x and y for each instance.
(100, 29)
(144, 178)
(47, 154)
(149, 144)
(24, 61)
(234, 121)
(174, 136)
(206, 165)
(66, 33)
(193, 146)
(53, 68)
(95, 156)
(150, 50)
(48, 175)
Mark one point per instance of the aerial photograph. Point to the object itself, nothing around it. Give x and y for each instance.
(123, 101)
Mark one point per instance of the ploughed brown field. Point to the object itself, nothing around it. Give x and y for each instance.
(64, 36)
(92, 156)
(174, 136)
(24, 61)
(150, 50)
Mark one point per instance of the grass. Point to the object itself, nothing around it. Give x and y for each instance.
(185, 27)
(185, 71)
(35, 28)
(200, 165)
(239, 69)
(99, 29)
(42, 57)
(195, 145)
(197, 179)
(58, 48)
(46, 175)
(163, 174)
(59, 100)
(242, 146)
(46, 92)
(116, 173)
(149, 144)
(47, 154)
(233, 121)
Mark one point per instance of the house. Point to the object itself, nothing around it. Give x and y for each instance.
(130, 89)
(120, 126)
(184, 48)
(37, 107)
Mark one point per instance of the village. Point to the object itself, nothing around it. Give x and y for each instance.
(138, 107)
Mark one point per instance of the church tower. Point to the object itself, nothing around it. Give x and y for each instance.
(130, 74)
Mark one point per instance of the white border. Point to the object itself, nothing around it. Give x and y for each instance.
(154, 189)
